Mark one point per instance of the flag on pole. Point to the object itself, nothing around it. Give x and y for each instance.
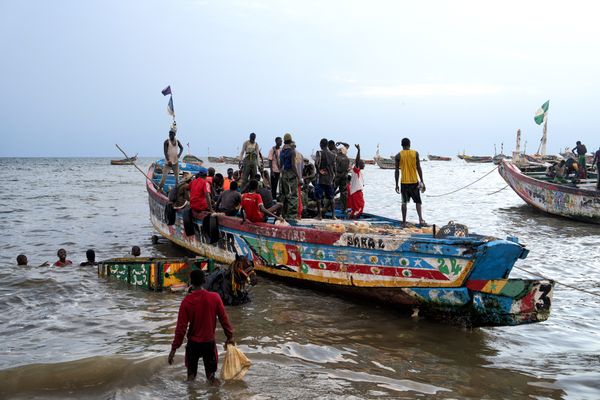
(166, 91)
(540, 115)
(170, 108)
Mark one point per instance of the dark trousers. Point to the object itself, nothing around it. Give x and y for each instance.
(207, 351)
(274, 183)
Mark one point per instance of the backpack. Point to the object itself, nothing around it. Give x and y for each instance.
(286, 159)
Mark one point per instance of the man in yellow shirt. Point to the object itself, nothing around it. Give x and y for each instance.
(408, 161)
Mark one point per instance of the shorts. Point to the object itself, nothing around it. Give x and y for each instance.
(205, 350)
(323, 190)
(410, 191)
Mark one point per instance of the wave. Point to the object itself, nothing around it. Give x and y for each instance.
(92, 376)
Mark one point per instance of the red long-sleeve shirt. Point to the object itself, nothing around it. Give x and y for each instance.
(200, 309)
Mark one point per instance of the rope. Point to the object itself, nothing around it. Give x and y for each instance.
(560, 283)
(489, 194)
(464, 187)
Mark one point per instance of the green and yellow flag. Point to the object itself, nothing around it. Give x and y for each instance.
(540, 115)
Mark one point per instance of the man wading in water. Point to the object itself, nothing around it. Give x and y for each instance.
(200, 310)
(408, 161)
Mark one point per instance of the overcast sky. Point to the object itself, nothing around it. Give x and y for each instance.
(80, 76)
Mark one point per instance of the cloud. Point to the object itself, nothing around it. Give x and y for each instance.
(426, 90)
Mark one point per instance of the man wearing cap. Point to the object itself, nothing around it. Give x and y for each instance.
(289, 179)
(249, 158)
(171, 158)
(342, 166)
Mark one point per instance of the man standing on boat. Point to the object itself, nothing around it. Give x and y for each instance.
(596, 163)
(200, 310)
(342, 166)
(289, 179)
(274, 154)
(171, 158)
(580, 150)
(249, 158)
(325, 165)
(408, 161)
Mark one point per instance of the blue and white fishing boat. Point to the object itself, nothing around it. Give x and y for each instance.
(462, 279)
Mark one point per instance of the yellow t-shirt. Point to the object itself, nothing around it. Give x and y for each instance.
(408, 165)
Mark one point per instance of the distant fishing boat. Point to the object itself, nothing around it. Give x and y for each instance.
(192, 159)
(451, 276)
(580, 202)
(385, 163)
(477, 159)
(438, 158)
(189, 158)
(124, 161)
(215, 159)
(230, 160)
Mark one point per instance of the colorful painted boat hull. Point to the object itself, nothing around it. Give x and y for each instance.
(563, 200)
(404, 269)
(153, 273)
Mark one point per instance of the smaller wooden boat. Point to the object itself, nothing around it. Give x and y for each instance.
(385, 163)
(215, 159)
(154, 273)
(231, 160)
(192, 159)
(576, 201)
(369, 162)
(125, 161)
(477, 159)
(438, 158)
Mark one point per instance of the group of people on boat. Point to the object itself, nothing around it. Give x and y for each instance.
(284, 186)
(574, 170)
(62, 261)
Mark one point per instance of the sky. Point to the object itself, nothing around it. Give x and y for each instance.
(80, 76)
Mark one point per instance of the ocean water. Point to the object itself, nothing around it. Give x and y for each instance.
(66, 333)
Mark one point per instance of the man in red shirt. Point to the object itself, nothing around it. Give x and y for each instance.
(200, 309)
(200, 193)
(253, 206)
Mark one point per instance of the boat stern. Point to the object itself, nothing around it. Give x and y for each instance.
(501, 302)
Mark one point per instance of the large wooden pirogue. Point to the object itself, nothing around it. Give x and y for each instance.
(455, 278)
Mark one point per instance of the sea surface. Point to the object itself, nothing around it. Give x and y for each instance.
(67, 334)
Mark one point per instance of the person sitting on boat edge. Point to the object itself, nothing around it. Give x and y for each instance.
(266, 193)
(200, 310)
(90, 256)
(62, 259)
(200, 199)
(412, 180)
(580, 150)
(171, 158)
(357, 183)
(227, 181)
(230, 200)
(22, 261)
(135, 251)
(253, 206)
(596, 164)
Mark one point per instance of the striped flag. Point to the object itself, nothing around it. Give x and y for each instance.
(540, 115)
(170, 108)
(166, 91)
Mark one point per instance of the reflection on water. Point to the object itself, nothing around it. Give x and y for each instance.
(68, 334)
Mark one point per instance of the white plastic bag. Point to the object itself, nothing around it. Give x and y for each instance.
(235, 364)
